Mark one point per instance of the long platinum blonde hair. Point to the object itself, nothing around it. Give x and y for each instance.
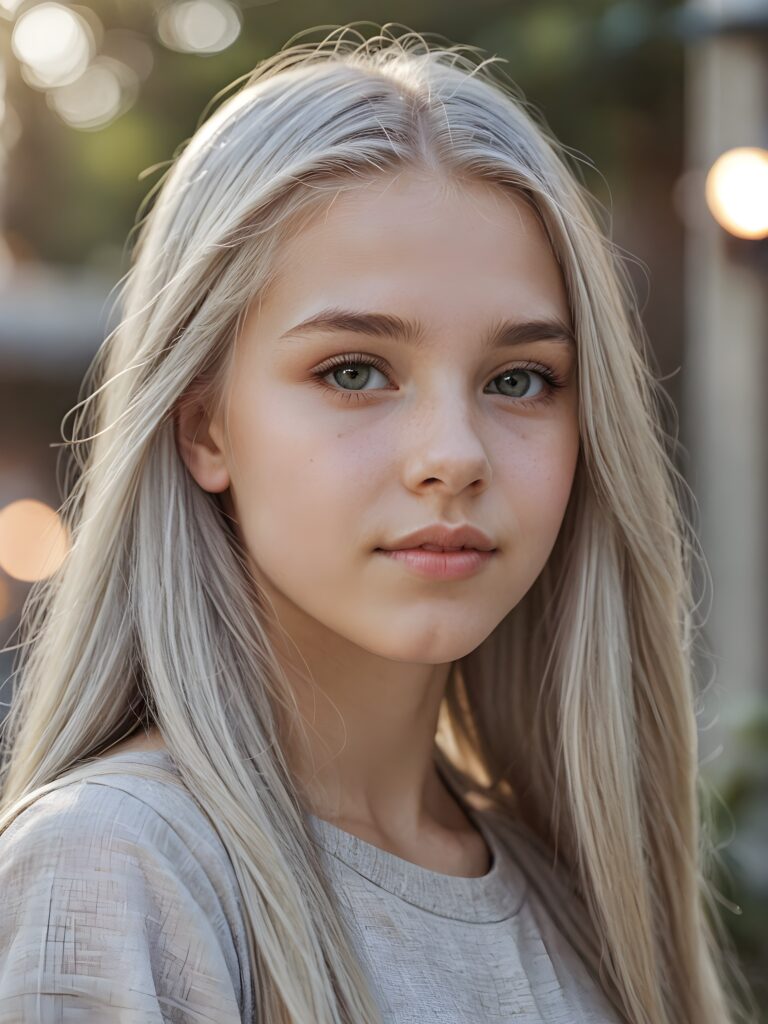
(577, 715)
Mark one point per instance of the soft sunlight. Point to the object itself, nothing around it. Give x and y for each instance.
(737, 191)
(102, 92)
(53, 43)
(199, 26)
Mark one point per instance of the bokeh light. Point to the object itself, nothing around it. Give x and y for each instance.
(33, 540)
(199, 26)
(737, 191)
(104, 91)
(53, 43)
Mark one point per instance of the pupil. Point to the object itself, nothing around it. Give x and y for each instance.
(354, 375)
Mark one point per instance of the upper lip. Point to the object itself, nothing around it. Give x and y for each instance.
(444, 536)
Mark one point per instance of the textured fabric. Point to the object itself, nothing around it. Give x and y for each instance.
(119, 904)
(440, 948)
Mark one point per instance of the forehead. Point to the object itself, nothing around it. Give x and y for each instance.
(441, 249)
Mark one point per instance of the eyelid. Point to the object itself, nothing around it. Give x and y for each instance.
(554, 380)
(351, 357)
(345, 358)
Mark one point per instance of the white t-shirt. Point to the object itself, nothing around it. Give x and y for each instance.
(120, 904)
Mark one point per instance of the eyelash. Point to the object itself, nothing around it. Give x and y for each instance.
(554, 381)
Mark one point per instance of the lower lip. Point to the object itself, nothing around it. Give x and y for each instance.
(440, 565)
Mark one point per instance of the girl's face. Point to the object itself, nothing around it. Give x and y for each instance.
(339, 441)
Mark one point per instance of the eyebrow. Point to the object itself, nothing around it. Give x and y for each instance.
(413, 332)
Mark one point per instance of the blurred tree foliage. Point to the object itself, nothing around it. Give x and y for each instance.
(738, 809)
(605, 77)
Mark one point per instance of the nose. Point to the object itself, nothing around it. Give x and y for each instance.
(445, 449)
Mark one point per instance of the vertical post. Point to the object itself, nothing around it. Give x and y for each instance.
(725, 382)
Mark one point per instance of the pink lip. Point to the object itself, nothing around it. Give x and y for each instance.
(444, 536)
(442, 565)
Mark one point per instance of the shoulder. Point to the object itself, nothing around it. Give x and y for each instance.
(115, 822)
(118, 891)
(92, 806)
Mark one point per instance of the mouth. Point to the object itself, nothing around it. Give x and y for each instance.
(438, 563)
(436, 547)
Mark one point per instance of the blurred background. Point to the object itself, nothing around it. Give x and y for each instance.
(663, 110)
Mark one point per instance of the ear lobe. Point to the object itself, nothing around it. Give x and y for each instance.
(201, 454)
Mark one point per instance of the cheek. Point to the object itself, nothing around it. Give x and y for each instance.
(307, 484)
(538, 478)
(301, 486)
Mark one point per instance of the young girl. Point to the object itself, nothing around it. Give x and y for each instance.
(279, 752)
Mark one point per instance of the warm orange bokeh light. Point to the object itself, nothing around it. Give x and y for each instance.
(737, 191)
(33, 540)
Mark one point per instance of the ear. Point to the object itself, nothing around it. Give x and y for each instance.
(200, 442)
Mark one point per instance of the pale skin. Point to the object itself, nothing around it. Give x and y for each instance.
(316, 479)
